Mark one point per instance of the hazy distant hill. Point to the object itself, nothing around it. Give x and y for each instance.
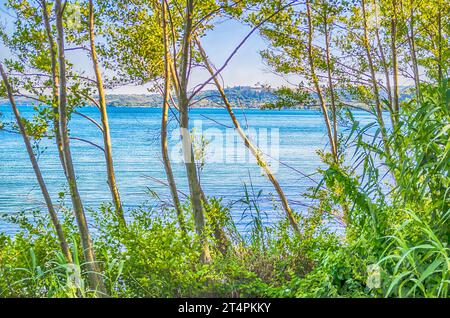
(249, 97)
(244, 96)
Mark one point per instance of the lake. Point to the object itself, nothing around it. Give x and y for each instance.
(289, 136)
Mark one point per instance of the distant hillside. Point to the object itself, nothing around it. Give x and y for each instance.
(242, 96)
(144, 100)
(248, 97)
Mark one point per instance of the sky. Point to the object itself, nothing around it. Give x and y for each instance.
(245, 69)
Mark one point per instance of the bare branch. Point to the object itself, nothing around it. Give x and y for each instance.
(256, 27)
(90, 119)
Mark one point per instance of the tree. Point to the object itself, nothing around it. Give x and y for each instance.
(293, 51)
(187, 148)
(37, 171)
(104, 118)
(95, 279)
(140, 52)
(42, 75)
(168, 74)
(256, 152)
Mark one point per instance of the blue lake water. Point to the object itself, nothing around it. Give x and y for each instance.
(294, 136)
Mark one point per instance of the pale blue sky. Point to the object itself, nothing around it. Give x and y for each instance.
(246, 68)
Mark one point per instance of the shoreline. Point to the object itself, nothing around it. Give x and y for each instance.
(158, 107)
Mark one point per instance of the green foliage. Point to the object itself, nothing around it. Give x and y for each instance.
(340, 273)
(289, 98)
(419, 259)
(151, 258)
(404, 231)
(383, 198)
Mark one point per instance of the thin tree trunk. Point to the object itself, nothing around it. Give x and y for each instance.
(105, 122)
(394, 59)
(48, 201)
(344, 205)
(385, 69)
(440, 72)
(223, 242)
(254, 150)
(165, 113)
(387, 77)
(412, 48)
(94, 276)
(317, 86)
(191, 169)
(378, 106)
(331, 87)
(55, 84)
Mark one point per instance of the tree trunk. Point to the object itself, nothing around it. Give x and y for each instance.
(55, 84)
(385, 69)
(440, 64)
(331, 87)
(105, 122)
(165, 113)
(317, 86)
(188, 153)
(378, 106)
(37, 171)
(344, 205)
(394, 59)
(412, 49)
(254, 150)
(223, 241)
(94, 277)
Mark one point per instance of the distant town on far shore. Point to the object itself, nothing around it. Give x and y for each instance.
(256, 97)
